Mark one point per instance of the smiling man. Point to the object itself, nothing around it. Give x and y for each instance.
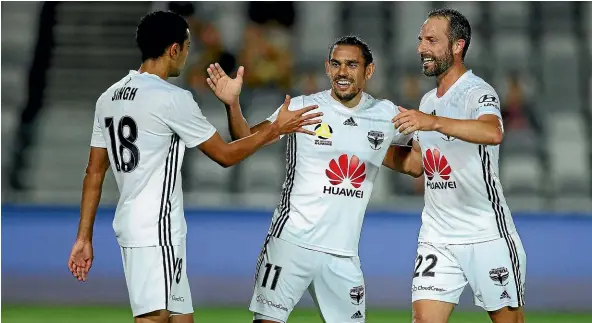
(142, 126)
(315, 230)
(467, 234)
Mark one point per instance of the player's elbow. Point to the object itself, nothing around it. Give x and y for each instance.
(228, 157)
(415, 172)
(413, 166)
(496, 138)
(226, 161)
(93, 179)
(96, 170)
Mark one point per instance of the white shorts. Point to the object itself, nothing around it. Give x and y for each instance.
(157, 279)
(285, 271)
(494, 269)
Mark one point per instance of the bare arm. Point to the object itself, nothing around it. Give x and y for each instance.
(238, 125)
(92, 187)
(483, 127)
(228, 91)
(405, 160)
(486, 130)
(230, 154)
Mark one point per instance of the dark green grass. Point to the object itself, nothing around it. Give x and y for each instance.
(75, 314)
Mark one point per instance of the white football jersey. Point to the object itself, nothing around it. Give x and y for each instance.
(464, 200)
(330, 176)
(145, 123)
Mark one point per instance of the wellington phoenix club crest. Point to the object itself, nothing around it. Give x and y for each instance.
(357, 295)
(499, 276)
(375, 138)
(435, 163)
(348, 170)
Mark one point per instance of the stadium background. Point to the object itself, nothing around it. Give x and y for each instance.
(57, 57)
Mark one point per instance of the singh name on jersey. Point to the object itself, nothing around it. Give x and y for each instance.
(145, 123)
(464, 201)
(330, 176)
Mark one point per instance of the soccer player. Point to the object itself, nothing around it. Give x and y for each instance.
(312, 243)
(141, 127)
(467, 233)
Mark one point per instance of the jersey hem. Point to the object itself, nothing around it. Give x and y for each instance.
(440, 240)
(488, 112)
(320, 248)
(96, 145)
(512, 304)
(202, 139)
(143, 244)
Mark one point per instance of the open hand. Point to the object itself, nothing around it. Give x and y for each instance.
(294, 121)
(409, 121)
(81, 259)
(225, 88)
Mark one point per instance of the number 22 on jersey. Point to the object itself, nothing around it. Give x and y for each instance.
(126, 154)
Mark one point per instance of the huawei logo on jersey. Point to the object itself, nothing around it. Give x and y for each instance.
(344, 169)
(435, 163)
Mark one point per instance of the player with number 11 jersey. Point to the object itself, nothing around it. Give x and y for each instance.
(312, 243)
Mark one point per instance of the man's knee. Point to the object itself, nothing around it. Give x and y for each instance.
(431, 311)
(260, 318)
(159, 316)
(423, 316)
(181, 318)
(507, 315)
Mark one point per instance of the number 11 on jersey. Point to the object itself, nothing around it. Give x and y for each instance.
(126, 156)
(276, 276)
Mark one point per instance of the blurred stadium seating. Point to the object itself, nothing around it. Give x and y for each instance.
(545, 162)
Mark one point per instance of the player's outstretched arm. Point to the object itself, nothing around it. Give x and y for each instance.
(406, 160)
(230, 154)
(485, 130)
(228, 91)
(81, 257)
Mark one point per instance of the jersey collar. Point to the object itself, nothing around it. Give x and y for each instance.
(460, 79)
(338, 106)
(132, 72)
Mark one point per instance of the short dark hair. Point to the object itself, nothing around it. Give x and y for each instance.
(353, 40)
(458, 26)
(185, 9)
(157, 31)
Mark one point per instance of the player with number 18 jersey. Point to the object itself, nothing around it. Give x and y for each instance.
(142, 126)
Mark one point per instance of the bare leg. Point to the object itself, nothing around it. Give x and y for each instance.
(507, 315)
(160, 316)
(181, 318)
(430, 311)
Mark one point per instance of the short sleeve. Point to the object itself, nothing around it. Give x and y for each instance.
(97, 139)
(295, 104)
(186, 120)
(400, 139)
(482, 101)
(273, 117)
